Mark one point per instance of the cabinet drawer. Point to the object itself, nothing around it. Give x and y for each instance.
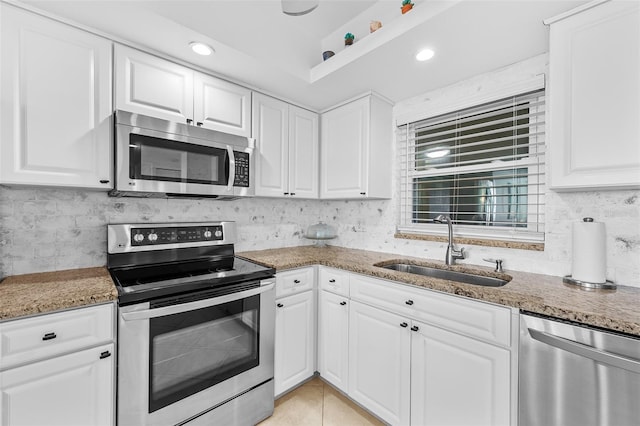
(475, 319)
(45, 336)
(333, 280)
(294, 281)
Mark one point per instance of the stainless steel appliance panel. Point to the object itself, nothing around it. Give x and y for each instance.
(575, 375)
(134, 361)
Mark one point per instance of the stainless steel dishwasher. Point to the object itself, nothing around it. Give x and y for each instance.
(575, 375)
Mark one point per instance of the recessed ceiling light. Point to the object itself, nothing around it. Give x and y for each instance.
(424, 55)
(201, 48)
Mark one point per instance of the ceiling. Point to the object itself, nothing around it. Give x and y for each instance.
(256, 44)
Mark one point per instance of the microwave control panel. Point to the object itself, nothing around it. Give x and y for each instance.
(242, 169)
(175, 234)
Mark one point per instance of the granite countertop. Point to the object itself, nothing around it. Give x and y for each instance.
(617, 310)
(22, 295)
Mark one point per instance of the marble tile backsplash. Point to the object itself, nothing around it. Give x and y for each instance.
(54, 229)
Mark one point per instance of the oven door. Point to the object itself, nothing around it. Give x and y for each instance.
(182, 356)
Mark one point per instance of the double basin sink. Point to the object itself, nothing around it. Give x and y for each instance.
(447, 274)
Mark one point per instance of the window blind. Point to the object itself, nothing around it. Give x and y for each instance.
(482, 166)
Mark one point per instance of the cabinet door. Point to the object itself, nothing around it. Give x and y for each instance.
(344, 154)
(379, 362)
(271, 131)
(333, 339)
(55, 103)
(76, 389)
(303, 153)
(295, 341)
(220, 105)
(594, 98)
(456, 380)
(146, 84)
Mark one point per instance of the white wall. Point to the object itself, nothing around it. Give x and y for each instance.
(53, 229)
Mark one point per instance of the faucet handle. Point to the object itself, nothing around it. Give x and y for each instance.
(457, 254)
(498, 263)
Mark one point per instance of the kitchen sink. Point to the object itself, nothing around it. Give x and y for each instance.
(446, 274)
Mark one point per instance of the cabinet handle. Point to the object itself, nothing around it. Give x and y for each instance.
(49, 336)
(199, 123)
(363, 193)
(189, 121)
(104, 181)
(409, 302)
(343, 303)
(404, 325)
(293, 193)
(286, 193)
(415, 328)
(105, 354)
(279, 305)
(296, 281)
(332, 280)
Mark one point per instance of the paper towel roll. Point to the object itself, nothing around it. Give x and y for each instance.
(589, 252)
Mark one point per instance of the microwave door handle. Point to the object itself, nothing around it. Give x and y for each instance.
(232, 168)
(198, 304)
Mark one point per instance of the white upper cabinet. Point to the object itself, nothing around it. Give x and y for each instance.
(220, 105)
(55, 103)
(287, 149)
(594, 97)
(146, 84)
(356, 157)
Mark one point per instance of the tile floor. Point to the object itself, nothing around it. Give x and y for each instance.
(317, 403)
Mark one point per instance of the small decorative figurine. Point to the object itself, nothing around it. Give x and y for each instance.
(406, 6)
(348, 39)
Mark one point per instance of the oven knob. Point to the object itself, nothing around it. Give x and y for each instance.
(218, 233)
(207, 234)
(138, 238)
(153, 237)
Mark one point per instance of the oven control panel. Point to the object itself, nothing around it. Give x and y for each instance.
(175, 234)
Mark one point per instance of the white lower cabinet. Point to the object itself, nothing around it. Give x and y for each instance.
(379, 362)
(295, 343)
(456, 380)
(333, 339)
(75, 389)
(59, 368)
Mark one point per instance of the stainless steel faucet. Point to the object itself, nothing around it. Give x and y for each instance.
(452, 252)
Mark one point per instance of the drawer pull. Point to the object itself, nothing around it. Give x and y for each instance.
(404, 325)
(105, 354)
(332, 280)
(279, 305)
(296, 281)
(49, 336)
(409, 302)
(343, 303)
(415, 328)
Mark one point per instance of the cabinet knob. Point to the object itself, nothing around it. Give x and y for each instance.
(105, 354)
(279, 305)
(189, 121)
(332, 280)
(415, 328)
(343, 303)
(199, 123)
(49, 336)
(104, 181)
(404, 325)
(296, 281)
(409, 302)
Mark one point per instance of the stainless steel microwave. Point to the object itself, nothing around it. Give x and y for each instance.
(159, 158)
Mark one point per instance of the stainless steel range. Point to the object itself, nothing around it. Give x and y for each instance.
(196, 326)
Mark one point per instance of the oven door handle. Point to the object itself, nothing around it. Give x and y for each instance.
(198, 304)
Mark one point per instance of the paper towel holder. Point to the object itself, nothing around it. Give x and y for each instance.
(607, 285)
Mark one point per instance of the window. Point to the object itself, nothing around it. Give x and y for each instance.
(482, 166)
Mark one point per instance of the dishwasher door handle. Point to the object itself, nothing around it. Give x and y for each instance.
(586, 351)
